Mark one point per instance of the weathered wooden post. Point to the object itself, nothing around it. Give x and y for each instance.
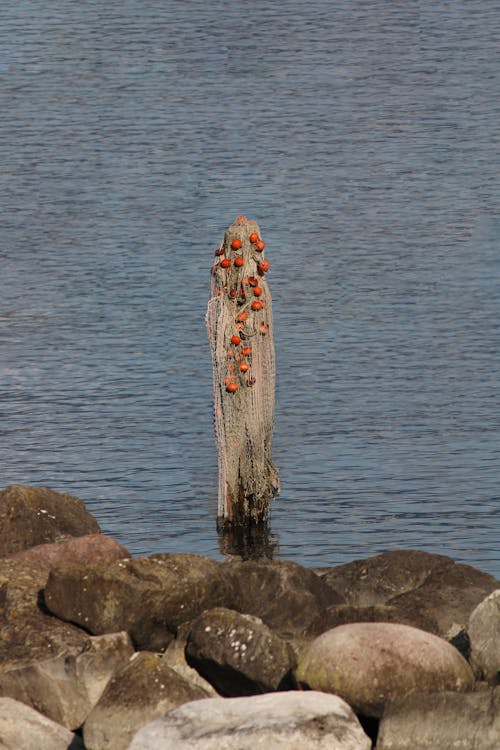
(240, 329)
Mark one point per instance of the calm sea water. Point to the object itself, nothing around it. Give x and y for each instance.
(362, 136)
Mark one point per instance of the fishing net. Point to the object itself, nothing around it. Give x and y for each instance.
(240, 330)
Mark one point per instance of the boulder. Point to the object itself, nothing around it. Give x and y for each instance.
(91, 548)
(36, 515)
(439, 589)
(341, 614)
(23, 728)
(275, 721)
(284, 594)
(146, 688)
(175, 658)
(484, 635)
(149, 597)
(468, 721)
(65, 686)
(369, 664)
(27, 632)
(238, 654)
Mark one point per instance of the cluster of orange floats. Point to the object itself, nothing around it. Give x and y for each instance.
(239, 357)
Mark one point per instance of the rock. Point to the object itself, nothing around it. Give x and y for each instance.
(341, 614)
(238, 654)
(149, 597)
(65, 686)
(146, 688)
(27, 633)
(36, 515)
(440, 590)
(175, 658)
(275, 721)
(484, 636)
(23, 728)
(446, 720)
(285, 595)
(369, 664)
(91, 548)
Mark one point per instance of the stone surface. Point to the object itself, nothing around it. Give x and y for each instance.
(238, 654)
(484, 635)
(91, 548)
(65, 686)
(369, 664)
(23, 728)
(37, 515)
(27, 632)
(285, 595)
(341, 614)
(275, 721)
(175, 658)
(146, 688)
(435, 586)
(468, 721)
(149, 597)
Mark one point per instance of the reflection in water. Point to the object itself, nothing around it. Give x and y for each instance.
(254, 542)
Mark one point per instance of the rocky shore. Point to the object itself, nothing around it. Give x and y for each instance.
(103, 651)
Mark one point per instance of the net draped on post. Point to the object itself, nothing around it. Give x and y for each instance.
(240, 330)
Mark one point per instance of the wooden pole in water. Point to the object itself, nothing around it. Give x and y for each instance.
(240, 330)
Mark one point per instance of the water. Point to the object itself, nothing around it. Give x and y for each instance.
(362, 136)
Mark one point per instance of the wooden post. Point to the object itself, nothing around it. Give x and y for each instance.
(240, 330)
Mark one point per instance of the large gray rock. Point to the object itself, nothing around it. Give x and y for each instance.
(369, 664)
(439, 589)
(284, 594)
(23, 728)
(484, 637)
(148, 597)
(37, 515)
(275, 721)
(65, 686)
(238, 654)
(146, 688)
(91, 548)
(468, 721)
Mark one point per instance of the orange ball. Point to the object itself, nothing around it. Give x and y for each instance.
(260, 246)
(239, 262)
(257, 305)
(257, 290)
(236, 244)
(244, 367)
(247, 350)
(235, 340)
(226, 263)
(253, 238)
(232, 387)
(264, 265)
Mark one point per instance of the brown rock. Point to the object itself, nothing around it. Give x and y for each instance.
(144, 689)
(66, 685)
(238, 654)
(285, 595)
(369, 664)
(484, 635)
(444, 720)
(91, 548)
(148, 597)
(36, 515)
(341, 614)
(439, 589)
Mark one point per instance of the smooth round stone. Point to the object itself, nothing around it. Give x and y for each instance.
(370, 663)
